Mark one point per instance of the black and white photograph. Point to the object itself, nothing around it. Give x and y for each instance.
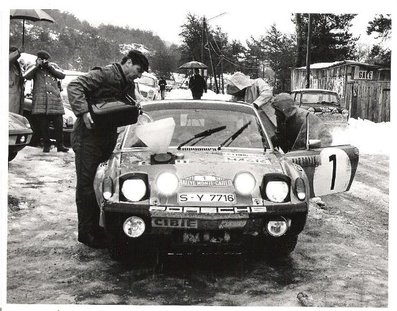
(199, 154)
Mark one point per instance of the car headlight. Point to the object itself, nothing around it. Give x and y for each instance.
(244, 183)
(277, 191)
(311, 110)
(167, 183)
(134, 189)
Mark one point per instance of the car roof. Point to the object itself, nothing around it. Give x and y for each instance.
(196, 102)
(314, 91)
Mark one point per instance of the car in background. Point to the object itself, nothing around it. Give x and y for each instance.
(19, 134)
(323, 103)
(202, 176)
(148, 86)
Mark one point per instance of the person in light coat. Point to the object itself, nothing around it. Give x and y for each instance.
(16, 82)
(253, 91)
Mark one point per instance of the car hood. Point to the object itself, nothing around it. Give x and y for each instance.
(18, 124)
(204, 170)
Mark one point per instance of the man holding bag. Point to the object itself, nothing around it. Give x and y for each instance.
(93, 144)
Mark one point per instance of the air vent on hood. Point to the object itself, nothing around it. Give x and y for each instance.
(200, 148)
(306, 160)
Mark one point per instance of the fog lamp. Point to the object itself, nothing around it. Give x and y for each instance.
(277, 228)
(134, 226)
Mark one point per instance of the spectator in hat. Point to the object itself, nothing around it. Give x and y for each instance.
(16, 82)
(46, 101)
(92, 144)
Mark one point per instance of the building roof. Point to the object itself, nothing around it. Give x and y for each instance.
(337, 63)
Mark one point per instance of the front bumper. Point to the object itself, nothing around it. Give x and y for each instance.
(166, 220)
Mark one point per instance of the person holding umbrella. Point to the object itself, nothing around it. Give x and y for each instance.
(197, 85)
(47, 103)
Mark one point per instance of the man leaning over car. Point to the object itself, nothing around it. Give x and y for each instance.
(93, 145)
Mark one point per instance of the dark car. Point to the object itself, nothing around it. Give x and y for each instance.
(323, 103)
(19, 134)
(203, 176)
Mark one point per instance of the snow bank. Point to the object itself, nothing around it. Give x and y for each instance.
(367, 136)
(186, 94)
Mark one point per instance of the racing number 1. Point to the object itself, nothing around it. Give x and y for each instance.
(333, 159)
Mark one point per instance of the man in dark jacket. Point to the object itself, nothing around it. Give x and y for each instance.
(93, 145)
(47, 102)
(197, 85)
(291, 122)
(162, 84)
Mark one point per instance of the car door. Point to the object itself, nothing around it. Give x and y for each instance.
(329, 169)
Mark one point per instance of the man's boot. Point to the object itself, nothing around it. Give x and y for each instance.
(46, 148)
(62, 148)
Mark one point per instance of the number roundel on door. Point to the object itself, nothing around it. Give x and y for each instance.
(334, 172)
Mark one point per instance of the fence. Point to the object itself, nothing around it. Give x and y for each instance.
(369, 100)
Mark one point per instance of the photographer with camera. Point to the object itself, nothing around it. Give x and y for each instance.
(93, 142)
(47, 102)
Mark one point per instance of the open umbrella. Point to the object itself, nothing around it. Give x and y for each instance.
(33, 15)
(193, 64)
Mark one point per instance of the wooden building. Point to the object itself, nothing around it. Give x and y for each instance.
(364, 89)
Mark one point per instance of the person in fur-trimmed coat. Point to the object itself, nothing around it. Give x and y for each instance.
(47, 102)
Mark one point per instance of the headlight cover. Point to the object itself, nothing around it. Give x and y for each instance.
(167, 183)
(277, 191)
(275, 187)
(244, 183)
(134, 189)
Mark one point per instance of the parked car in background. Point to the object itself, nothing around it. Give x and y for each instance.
(202, 176)
(324, 103)
(19, 134)
(148, 86)
(68, 118)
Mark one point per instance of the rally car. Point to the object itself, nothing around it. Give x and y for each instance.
(203, 176)
(19, 134)
(323, 103)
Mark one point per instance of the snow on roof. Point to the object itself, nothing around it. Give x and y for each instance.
(337, 63)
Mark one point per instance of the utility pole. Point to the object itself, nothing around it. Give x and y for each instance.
(222, 82)
(209, 52)
(202, 41)
(308, 47)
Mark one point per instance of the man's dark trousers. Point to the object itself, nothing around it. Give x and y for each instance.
(91, 148)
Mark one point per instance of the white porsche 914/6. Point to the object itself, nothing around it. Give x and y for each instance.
(211, 181)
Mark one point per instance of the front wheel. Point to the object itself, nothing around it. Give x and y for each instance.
(280, 247)
(11, 156)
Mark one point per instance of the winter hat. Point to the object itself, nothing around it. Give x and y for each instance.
(283, 103)
(237, 82)
(43, 54)
(138, 58)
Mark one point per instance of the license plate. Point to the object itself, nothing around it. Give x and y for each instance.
(174, 223)
(207, 197)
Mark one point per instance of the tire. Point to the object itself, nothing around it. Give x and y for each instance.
(118, 249)
(280, 247)
(11, 156)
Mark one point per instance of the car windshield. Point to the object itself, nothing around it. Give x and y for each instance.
(147, 81)
(319, 98)
(190, 122)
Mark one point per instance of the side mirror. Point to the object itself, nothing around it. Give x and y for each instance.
(314, 143)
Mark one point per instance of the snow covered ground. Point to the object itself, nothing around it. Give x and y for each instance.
(367, 136)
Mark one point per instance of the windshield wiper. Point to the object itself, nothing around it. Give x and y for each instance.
(234, 136)
(202, 134)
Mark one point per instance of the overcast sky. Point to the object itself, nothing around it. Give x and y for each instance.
(240, 22)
